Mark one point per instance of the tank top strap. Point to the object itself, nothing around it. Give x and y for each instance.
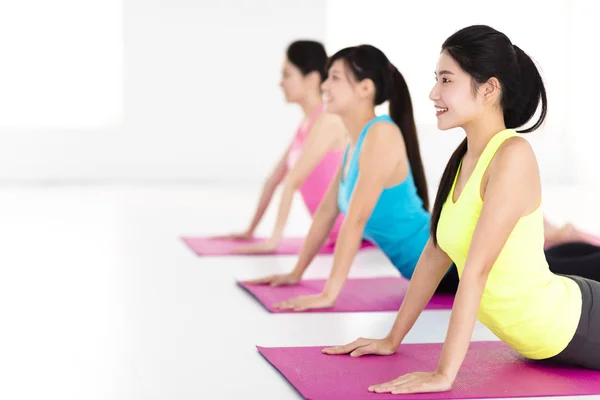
(363, 134)
(486, 158)
(306, 126)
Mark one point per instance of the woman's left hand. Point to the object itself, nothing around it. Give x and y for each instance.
(303, 303)
(416, 382)
(257, 248)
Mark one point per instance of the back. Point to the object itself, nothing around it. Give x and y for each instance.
(315, 185)
(399, 224)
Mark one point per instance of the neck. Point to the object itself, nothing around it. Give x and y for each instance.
(310, 103)
(356, 120)
(480, 132)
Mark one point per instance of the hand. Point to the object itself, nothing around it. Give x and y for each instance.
(416, 382)
(360, 347)
(303, 303)
(246, 235)
(267, 246)
(276, 280)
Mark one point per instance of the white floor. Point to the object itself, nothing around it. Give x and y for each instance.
(100, 300)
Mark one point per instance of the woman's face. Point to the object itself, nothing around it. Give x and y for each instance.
(339, 89)
(293, 83)
(453, 95)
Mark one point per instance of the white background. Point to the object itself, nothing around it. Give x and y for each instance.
(182, 90)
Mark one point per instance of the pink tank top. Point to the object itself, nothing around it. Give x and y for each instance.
(316, 184)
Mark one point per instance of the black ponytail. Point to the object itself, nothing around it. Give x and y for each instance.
(485, 53)
(368, 62)
(401, 111)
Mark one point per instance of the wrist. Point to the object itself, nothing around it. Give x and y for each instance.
(330, 292)
(393, 340)
(445, 372)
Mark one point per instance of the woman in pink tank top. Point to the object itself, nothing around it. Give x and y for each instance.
(312, 159)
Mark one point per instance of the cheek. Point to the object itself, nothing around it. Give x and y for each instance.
(459, 101)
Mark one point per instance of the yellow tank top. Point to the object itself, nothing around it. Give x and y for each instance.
(524, 304)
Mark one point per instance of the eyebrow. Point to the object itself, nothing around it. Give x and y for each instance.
(445, 72)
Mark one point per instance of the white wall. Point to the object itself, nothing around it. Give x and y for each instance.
(139, 90)
(200, 93)
(411, 34)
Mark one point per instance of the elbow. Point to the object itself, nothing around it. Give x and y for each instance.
(476, 276)
(357, 222)
(291, 185)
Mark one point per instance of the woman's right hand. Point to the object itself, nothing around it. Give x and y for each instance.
(276, 280)
(246, 235)
(362, 346)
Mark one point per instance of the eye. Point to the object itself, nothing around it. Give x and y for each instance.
(445, 80)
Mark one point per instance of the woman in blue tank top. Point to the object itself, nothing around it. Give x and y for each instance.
(380, 187)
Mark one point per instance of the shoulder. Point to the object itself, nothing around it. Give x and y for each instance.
(514, 156)
(328, 124)
(383, 136)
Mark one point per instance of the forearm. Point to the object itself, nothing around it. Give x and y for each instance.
(319, 231)
(263, 203)
(462, 323)
(347, 244)
(430, 270)
(285, 205)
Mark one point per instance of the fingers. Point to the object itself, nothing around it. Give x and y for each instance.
(345, 349)
(370, 348)
(261, 281)
(397, 384)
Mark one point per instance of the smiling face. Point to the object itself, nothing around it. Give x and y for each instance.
(456, 97)
(339, 89)
(294, 84)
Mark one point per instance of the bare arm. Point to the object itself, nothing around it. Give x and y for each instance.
(513, 191)
(268, 190)
(326, 136)
(319, 231)
(381, 153)
(430, 270)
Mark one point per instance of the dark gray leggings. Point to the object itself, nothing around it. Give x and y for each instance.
(584, 348)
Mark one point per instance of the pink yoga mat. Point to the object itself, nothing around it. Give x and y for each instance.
(490, 370)
(358, 294)
(204, 246)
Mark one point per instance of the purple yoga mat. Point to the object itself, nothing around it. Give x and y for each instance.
(358, 294)
(204, 246)
(490, 370)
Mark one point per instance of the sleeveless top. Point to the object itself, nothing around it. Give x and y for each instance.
(315, 185)
(398, 225)
(524, 304)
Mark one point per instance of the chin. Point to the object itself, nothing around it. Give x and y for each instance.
(444, 125)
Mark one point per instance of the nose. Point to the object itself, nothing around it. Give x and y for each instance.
(434, 94)
(325, 85)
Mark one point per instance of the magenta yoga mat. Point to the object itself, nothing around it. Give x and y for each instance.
(205, 246)
(490, 370)
(358, 294)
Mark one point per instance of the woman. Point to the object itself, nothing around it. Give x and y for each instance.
(380, 188)
(312, 159)
(488, 220)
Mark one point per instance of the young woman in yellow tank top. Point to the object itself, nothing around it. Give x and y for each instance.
(488, 220)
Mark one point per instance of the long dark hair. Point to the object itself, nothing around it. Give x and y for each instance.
(368, 62)
(308, 56)
(485, 53)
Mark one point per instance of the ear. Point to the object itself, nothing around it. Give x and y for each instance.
(313, 78)
(491, 89)
(366, 88)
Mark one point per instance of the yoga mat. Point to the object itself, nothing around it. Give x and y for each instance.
(490, 370)
(204, 246)
(358, 294)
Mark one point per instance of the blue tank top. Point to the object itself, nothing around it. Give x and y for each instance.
(398, 225)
